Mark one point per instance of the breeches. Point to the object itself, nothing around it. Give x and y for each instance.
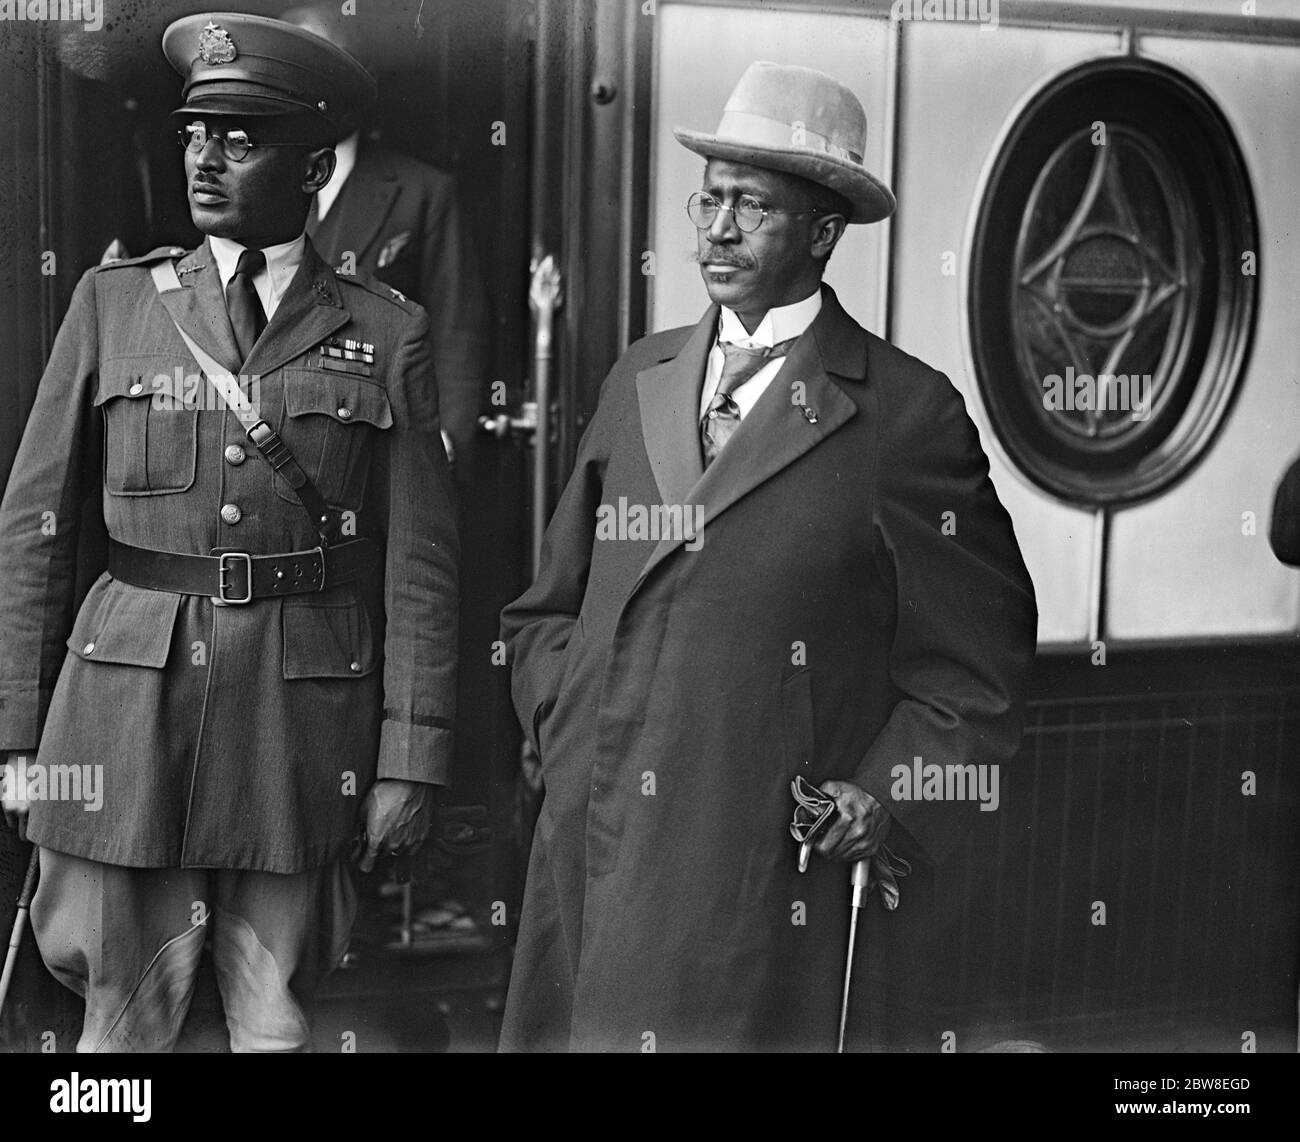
(128, 941)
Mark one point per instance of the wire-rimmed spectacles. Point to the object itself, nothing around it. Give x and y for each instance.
(702, 209)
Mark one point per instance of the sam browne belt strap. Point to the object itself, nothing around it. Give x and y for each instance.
(264, 438)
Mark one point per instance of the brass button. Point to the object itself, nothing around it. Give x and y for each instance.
(231, 513)
(90, 648)
(345, 413)
(355, 668)
(234, 454)
(136, 389)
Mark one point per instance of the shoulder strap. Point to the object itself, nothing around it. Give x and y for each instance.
(264, 438)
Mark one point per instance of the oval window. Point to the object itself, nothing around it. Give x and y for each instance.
(1110, 307)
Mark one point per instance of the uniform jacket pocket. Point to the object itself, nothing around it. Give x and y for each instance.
(124, 624)
(327, 639)
(328, 421)
(150, 445)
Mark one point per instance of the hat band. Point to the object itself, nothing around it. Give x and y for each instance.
(762, 130)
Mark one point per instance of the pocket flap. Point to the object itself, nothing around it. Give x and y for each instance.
(130, 379)
(124, 624)
(345, 398)
(327, 639)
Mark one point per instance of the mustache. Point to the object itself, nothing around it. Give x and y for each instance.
(714, 256)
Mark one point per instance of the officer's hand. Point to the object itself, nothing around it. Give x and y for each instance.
(13, 768)
(858, 829)
(395, 819)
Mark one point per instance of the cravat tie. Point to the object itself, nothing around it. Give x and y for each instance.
(722, 417)
(247, 317)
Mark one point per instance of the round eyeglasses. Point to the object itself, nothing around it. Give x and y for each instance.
(702, 209)
(235, 144)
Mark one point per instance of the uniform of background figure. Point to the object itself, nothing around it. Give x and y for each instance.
(398, 218)
(245, 747)
(825, 623)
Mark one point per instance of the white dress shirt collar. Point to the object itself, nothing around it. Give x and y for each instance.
(779, 324)
(282, 262)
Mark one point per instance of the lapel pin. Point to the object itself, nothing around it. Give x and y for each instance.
(810, 415)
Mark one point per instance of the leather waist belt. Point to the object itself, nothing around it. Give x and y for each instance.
(236, 577)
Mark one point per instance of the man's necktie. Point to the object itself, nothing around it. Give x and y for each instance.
(247, 317)
(722, 417)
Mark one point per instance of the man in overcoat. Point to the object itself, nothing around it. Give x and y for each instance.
(779, 555)
(265, 673)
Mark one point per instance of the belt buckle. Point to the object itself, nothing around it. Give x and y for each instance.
(319, 549)
(221, 599)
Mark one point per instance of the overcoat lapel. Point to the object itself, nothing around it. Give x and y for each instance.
(199, 307)
(364, 202)
(310, 310)
(669, 397)
(800, 408)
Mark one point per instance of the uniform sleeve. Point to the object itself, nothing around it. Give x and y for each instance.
(39, 521)
(421, 597)
(966, 620)
(536, 627)
(451, 289)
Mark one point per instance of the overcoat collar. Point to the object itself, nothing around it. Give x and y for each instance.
(309, 311)
(800, 408)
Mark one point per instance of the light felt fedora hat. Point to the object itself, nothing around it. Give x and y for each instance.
(800, 121)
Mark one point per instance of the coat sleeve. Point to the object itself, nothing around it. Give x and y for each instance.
(1284, 535)
(966, 621)
(39, 524)
(537, 625)
(421, 597)
(452, 292)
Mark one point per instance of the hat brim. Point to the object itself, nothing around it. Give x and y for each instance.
(872, 199)
(241, 105)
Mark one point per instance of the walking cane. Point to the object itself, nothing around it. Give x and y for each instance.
(860, 880)
(20, 925)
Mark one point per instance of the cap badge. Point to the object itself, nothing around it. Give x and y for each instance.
(215, 45)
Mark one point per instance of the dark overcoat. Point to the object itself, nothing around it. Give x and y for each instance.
(229, 736)
(834, 622)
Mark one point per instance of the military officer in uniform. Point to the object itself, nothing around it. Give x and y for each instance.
(264, 676)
